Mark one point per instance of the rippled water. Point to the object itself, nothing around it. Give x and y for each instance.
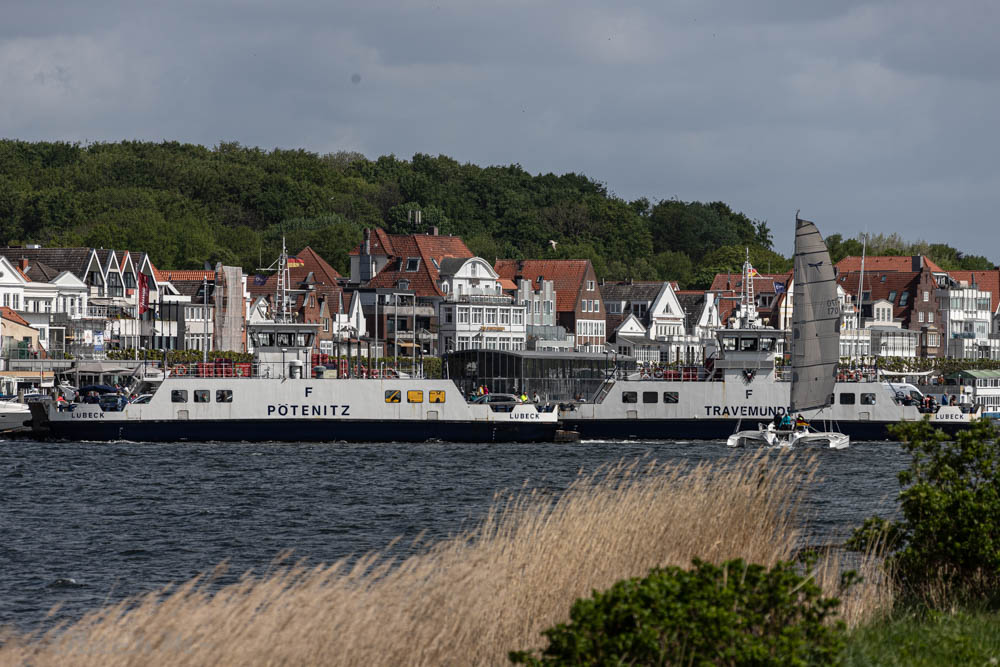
(86, 523)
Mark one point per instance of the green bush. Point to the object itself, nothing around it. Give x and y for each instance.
(949, 497)
(734, 614)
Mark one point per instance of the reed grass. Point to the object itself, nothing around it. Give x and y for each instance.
(471, 598)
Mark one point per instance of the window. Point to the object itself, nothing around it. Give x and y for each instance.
(412, 263)
(597, 306)
(404, 284)
(590, 285)
(649, 397)
(518, 316)
(477, 315)
(415, 396)
(447, 315)
(930, 317)
(585, 305)
(729, 343)
(904, 298)
(670, 396)
(224, 396)
(435, 396)
(179, 396)
(505, 316)
(892, 296)
(847, 399)
(491, 316)
(392, 396)
(920, 316)
(463, 315)
(767, 344)
(926, 295)
(202, 395)
(326, 324)
(629, 397)
(867, 399)
(748, 344)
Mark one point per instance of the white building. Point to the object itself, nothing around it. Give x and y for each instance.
(966, 321)
(475, 313)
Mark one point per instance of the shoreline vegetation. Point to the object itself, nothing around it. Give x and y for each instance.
(474, 597)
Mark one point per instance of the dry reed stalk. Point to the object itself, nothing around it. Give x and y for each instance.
(464, 600)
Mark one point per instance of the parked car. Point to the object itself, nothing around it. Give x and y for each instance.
(496, 398)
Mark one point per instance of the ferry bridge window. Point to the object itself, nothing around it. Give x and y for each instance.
(847, 399)
(202, 395)
(748, 344)
(649, 397)
(179, 396)
(670, 396)
(284, 339)
(767, 344)
(392, 396)
(305, 339)
(629, 397)
(867, 399)
(224, 396)
(729, 343)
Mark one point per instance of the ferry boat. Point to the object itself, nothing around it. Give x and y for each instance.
(277, 398)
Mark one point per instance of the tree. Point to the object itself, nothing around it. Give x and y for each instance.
(950, 504)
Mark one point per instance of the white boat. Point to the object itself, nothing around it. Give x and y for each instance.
(815, 345)
(275, 399)
(13, 416)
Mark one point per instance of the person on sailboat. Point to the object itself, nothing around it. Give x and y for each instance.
(786, 422)
(800, 422)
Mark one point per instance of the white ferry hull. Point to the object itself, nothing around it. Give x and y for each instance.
(300, 410)
(715, 410)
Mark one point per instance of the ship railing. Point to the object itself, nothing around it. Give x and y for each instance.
(256, 369)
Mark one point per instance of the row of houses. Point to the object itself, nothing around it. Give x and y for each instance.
(428, 294)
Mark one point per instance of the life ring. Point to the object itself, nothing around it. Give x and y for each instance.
(180, 370)
(658, 374)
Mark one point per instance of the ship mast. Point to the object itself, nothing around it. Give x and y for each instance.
(748, 305)
(282, 315)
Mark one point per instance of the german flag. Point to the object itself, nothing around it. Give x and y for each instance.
(295, 262)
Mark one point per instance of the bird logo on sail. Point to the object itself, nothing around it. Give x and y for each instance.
(816, 265)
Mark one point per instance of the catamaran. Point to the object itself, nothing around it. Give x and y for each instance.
(815, 348)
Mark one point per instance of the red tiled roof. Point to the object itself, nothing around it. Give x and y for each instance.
(985, 280)
(381, 243)
(567, 275)
(890, 263)
(429, 248)
(881, 284)
(11, 315)
(324, 275)
(185, 274)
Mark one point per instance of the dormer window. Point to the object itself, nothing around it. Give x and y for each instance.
(403, 284)
(412, 264)
(474, 269)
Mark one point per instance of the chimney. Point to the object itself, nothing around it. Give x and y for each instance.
(24, 264)
(434, 231)
(365, 258)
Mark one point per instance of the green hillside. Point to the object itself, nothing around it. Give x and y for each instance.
(185, 204)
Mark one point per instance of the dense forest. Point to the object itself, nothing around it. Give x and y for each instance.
(186, 204)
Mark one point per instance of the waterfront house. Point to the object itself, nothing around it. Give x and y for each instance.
(579, 307)
(399, 276)
(476, 312)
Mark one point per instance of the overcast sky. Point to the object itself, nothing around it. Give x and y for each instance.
(866, 115)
